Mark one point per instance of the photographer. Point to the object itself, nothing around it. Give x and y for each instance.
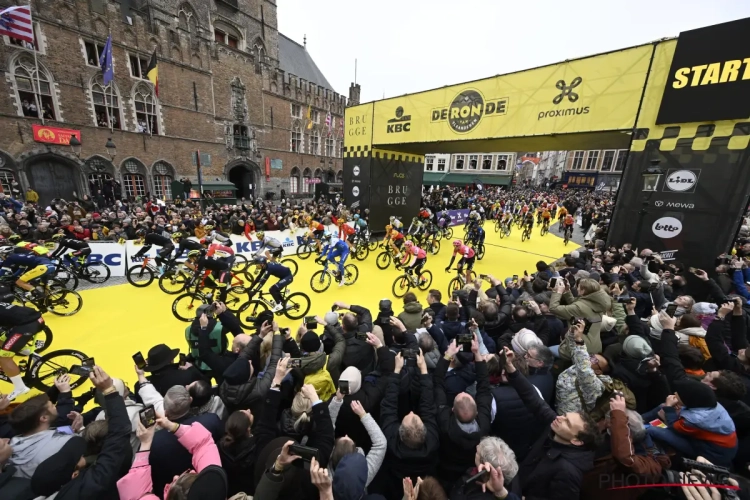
(363, 315)
(207, 340)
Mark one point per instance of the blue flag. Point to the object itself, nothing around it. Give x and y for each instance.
(105, 62)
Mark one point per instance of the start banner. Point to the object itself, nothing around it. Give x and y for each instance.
(110, 253)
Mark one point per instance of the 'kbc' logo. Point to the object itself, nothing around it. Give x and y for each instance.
(567, 90)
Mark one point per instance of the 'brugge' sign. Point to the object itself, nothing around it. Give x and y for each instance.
(710, 75)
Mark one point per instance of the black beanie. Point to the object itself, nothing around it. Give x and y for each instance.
(310, 342)
(695, 394)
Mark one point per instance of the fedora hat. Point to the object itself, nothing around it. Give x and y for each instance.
(160, 356)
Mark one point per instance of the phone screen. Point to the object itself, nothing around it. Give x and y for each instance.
(148, 416)
(88, 363)
(515, 277)
(344, 387)
(183, 359)
(671, 309)
(139, 361)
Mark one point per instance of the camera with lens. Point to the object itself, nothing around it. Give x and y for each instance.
(714, 474)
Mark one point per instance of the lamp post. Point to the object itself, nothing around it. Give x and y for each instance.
(75, 145)
(111, 149)
(650, 178)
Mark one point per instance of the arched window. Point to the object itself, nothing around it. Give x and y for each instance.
(146, 111)
(314, 143)
(133, 178)
(296, 146)
(106, 103)
(187, 20)
(340, 176)
(227, 35)
(294, 179)
(318, 174)
(260, 52)
(6, 179)
(163, 174)
(34, 90)
(306, 176)
(99, 173)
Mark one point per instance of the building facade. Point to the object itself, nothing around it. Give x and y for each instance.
(492, 169)
(251, 100)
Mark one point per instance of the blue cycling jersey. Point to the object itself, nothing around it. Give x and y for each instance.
(278, 270)
(25, 260)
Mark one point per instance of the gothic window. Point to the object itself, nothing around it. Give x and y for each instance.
(239, 105)
(146, 111)
(106, 103)
(34, 89)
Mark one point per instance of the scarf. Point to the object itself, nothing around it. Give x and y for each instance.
(469, 427)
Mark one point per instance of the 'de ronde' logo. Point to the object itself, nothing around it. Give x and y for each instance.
(667, 227)
(571, 92)
(402, 122)
(467, 110)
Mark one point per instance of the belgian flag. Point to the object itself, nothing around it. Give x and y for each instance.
(152, 73)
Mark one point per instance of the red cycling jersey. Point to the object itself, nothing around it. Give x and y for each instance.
(466, 251)
(568, 220)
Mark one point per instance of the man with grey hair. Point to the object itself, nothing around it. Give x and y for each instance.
(413, 442)
(495, 456)
(168, 457)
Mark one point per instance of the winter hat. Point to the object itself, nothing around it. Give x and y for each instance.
(331, 318)
(608, 322)
(354, 377)
(595, 276)
(119, 386)
(310, 342)
(385, 305)
(695, 394)
(636, 347)
(523, 340)
(351, 477)
(655, 325)
(582, 275)
(57, 470)
(705, 308)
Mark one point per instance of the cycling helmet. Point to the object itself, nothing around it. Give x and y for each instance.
(140, 232)
(55, 237)
(408, 244)
(356, 217)
(194, 254)
(388, 227)
(457, 243)
(14, 238)
(260, 234)
(392, 218)
(177, 236)
(260, 260)
(326, 236)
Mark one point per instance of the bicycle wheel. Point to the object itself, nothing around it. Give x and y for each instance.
(383, 260)
(185, 305)
(400, 286)
(235, 297)
(292, 265)
(297, 305)
(304, 250)
(362, 252)
(240, 264)
(351, 273)
(173, 282)
(140, 276)
(44, 369)
(566, 240)
(435, 247)
(543, 231)
(508, 229)
(67, 277)
(251, 309)
(63, 302)
(96, 272)
(523, 235)
(425, 280)
(453, 285)
(448, 232)
(41, 344)
(320, 281)
(373, 245)
(480, 252)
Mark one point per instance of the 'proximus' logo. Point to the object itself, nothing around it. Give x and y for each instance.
(467, 110)
(565, 91)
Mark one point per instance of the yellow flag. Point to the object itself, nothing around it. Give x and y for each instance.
(309, 117)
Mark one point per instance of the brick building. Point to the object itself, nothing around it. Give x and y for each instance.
(230, 85)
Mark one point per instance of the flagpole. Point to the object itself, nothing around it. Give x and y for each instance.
(37, 96)
(111, 89)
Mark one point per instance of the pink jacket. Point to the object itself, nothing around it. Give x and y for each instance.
(195, 438)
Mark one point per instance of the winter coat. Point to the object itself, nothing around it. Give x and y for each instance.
(238, 459)
(411, 317)
(550, 471)
(239, 390)
(30, 451)
(581, 377)
(591, 307)
(194, 439)
(358, 354)
(512, 422)
(171, 375)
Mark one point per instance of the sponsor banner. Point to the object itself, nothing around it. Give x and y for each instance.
(708, 79)
(458, 217)
(395, 188)
(53, 135)
(598, 93)
(110, 253)
(357, 183)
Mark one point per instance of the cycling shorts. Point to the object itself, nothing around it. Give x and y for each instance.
(276, 252)
(318, 233)
(19, 338)
(37, 272)
(468, 262)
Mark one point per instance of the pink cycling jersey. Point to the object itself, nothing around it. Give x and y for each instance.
(421, 254)
(466, 251)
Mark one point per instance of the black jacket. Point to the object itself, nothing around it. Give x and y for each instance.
(238, 460)
(550, 470)
(402, 461)
(513, 423)
(364, 318)
(721, 358)
(171, 375)
(99, 481)
(457, 447)
(358, 354)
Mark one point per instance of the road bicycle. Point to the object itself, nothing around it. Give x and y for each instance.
(459, 281)
(446, 232)
(568, 235)
(518, 220)
(143, 274)
(526, 233)
(432, 245)
(385, 257)
(182, 278)
(321, 280)
(68, 272)
(39, 371)
(307, 247)
(288, 262)
(56, 298)
(185, 305)
(545, 227)
(478, 250)
(408, 280)
(296, 306)
(503, 228)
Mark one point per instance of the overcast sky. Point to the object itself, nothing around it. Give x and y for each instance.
(404, 46)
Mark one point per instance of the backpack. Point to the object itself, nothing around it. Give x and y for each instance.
(601, 406)
(322, 382)
(192, 341)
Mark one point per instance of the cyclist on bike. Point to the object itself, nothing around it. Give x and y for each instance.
(20, 326)
(32, 263)
(360, 225)
(444, 219)
(317, 230)
(268, 269)
(270, 247)
(476, 236)
(528, 222)
(546, 217)
(568, 225)
(335, 248)
(396, 223)
(185, 244)
(467, 258)
(81, 248)
(425, 214)
(415, 256)
(394, 239)
(346, 233)
(415, 229)
(151, 239)
(200, 260)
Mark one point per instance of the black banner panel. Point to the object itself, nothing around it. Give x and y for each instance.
(395, 189)
(692, 212)
(710, 75)
(357, 183)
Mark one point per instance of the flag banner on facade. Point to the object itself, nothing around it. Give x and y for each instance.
(15, 22)
(105, 62)
(152, 73)
(309, 117)
(328, 119)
